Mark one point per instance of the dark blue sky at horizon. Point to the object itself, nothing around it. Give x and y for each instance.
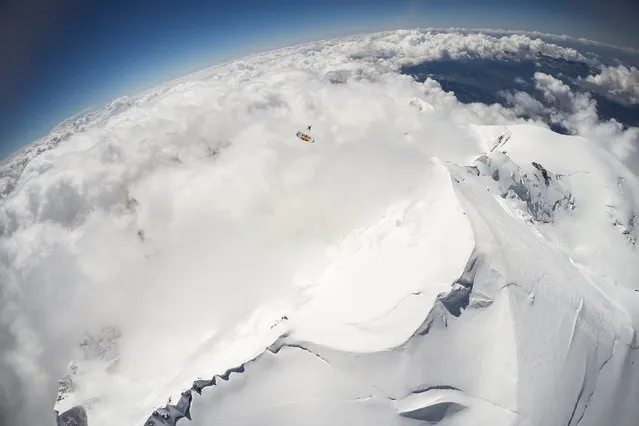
(63, 56)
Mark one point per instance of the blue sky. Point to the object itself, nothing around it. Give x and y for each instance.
(63, 56)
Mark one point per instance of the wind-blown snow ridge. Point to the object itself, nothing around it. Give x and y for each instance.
(172, 413)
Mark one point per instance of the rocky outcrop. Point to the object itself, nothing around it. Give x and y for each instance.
(76, 416)
(537, 191)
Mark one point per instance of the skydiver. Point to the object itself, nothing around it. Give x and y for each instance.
(308, 128)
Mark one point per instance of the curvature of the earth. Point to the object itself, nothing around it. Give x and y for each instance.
(438, 254)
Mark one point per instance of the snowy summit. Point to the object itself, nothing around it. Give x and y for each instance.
(454, 257)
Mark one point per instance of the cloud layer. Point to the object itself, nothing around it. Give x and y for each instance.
(577, 113)
(620, 83)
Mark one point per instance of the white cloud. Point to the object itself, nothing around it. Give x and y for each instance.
(413, 46)
(232, 206)
(559, 38)
(577, 111)
(555, 91)
(620, 83)
(524, 104)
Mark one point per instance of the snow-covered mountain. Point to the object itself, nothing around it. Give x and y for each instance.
(502, 293)
(185, 259)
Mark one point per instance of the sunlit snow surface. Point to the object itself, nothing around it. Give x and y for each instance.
(423, 261)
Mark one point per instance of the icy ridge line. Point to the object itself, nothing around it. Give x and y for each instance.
(172, 413)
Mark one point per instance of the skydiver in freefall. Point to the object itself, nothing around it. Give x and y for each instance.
(308, 128)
